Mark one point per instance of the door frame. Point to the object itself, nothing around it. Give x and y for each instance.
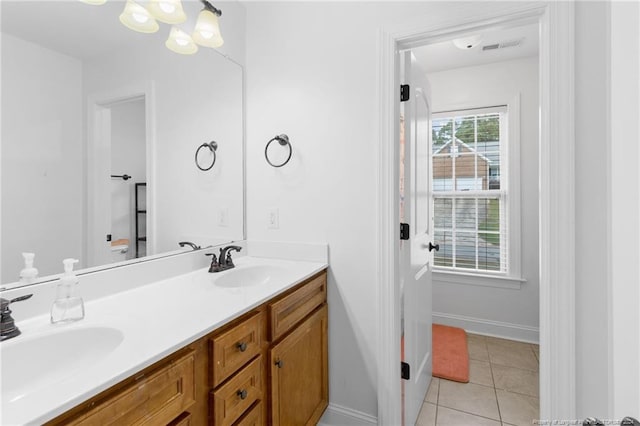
(556, 209)
(96, 141)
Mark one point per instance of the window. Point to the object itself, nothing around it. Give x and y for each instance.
(470, 190)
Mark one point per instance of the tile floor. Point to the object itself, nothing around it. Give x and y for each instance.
(502, 388)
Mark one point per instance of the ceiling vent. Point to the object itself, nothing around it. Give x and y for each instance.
(503, 45)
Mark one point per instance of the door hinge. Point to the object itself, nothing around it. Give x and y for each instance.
(108, 237)
(404, 231)
(404, 92)
(405, 370)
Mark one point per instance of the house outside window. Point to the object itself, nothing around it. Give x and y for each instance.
(470, 190)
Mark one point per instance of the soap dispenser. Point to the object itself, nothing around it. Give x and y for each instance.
(29, 274)
(68, 306)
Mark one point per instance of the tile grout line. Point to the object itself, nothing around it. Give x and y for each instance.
(471, 414)
(435, 420)
(493, 379)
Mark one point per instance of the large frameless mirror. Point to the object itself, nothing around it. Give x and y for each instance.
(99, 129)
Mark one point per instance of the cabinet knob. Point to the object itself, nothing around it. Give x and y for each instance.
(242, 346)
(279, 363)
(242, 394)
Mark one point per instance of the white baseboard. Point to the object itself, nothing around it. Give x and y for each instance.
(522, 333)
(337, 415)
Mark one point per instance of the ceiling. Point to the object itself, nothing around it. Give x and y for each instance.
(77, 29)
(444, 55)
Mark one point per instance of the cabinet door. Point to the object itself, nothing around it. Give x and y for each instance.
(299, 375)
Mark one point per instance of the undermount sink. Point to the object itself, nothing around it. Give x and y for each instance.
(250, 276)
(28, 363)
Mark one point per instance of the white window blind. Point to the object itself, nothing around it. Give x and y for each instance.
(469, 190)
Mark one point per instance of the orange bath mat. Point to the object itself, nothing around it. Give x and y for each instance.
(450, 353)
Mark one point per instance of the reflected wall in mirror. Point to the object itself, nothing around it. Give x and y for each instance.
(85, 98)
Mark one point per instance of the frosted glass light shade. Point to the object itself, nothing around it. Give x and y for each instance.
(137, 18)
(94, 2)
(180, 42)
(207, 31)
(167, 11)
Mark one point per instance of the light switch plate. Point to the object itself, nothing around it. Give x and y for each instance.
(223, 217)
(273, 220)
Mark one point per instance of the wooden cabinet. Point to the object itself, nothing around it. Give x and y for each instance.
(268, 367)
(156, 396)
(236, 346)
(232, 399)
(294, 306)
(299, 386)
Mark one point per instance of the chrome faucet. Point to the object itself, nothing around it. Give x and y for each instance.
(223, 261)
(8, 328)
(190, 244)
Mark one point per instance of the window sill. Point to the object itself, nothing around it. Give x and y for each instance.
(497, 281)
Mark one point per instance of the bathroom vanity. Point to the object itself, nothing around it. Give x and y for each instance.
(262, 358)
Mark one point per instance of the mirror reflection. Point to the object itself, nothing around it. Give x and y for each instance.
(100, 126)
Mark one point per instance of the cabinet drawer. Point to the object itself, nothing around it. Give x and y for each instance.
(235, 347)
(233, 398)
(155, 399)
(291, 309)
(183, 419)
(255, 416)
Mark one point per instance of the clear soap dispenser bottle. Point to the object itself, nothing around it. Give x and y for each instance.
(29, 274)
(68, 306)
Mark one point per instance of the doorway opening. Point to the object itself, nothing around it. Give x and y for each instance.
(128, 180)
(555, 197)
(483, 163)
(119, 176)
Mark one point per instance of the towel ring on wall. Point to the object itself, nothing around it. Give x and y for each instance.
(213, 146)
(282, 140)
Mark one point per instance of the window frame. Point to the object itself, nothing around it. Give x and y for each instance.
(510, 156)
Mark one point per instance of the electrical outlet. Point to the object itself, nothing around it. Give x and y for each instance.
(223, 217)
(273, 221)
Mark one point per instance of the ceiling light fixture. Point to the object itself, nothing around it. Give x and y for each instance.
(180, 42)
(167, 11)
(207, 30)
(469, 42)
(137, 18)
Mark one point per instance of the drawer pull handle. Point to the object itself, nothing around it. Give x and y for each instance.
(279, 363)
(242, 346)
(242, 394)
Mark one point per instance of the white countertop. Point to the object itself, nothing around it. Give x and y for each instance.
(155, 320)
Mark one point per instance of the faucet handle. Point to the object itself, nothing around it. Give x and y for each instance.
(215, 266)
(4, 303)
(8, 328)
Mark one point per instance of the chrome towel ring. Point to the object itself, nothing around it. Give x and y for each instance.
(283, 140)
(213, 146)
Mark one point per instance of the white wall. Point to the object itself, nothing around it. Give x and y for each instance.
(507, 312)
(41, 148)
(128, 156)
(312, 74)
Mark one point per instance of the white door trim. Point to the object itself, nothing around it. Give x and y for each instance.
(95, 103)
(556, 169)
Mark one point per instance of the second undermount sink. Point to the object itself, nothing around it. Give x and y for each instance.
(250, 276)
(29, 363)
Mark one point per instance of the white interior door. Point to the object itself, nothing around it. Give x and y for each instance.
(415, 256)
(99, 197)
